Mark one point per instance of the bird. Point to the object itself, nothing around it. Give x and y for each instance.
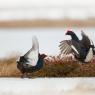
(32, 60)
(83, 50)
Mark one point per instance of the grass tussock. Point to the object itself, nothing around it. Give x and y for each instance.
(53, 67)
(8, 68)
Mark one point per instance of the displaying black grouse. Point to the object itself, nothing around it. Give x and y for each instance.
(32, 61)
(83, 50)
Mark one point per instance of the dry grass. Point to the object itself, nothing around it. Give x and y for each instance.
(54, 67)
(8, 68)
(48, 23)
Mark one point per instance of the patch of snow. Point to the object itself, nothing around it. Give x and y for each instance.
(43, 86)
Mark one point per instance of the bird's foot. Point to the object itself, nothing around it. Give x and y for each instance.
(24, 76)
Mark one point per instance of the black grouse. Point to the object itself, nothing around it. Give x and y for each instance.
(32, 61)
(83, 50)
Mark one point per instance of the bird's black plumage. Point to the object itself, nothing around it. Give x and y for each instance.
(82, 49)
(26, 68)
(73, 36)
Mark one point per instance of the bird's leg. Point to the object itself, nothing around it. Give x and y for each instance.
(24, 75)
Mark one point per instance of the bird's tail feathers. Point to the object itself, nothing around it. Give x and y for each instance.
(35, 43)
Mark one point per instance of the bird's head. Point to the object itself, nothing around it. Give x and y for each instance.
(69, 32)
(42, 56)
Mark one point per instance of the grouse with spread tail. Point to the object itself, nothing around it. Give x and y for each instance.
(32, 61)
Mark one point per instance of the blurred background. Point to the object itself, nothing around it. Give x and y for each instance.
(46, 9)
(52, 10)
(21, 19)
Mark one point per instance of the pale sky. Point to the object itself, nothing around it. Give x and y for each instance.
(27, 3)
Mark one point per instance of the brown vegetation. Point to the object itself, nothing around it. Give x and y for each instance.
(55, 68)
(8, 68)
(48, 23)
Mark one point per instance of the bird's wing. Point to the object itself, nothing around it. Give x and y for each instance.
(65, 47)
(69, 46)
(32, 54)
(85, 40)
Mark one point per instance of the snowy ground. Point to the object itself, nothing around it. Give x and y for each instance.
(47, 86)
